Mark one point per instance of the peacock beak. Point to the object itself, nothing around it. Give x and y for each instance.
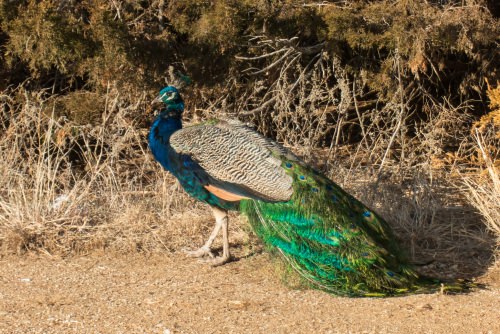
(156, 100)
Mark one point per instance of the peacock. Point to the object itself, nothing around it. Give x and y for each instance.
(333, 241)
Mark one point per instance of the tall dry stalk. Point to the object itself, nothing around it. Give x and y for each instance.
(483, 189)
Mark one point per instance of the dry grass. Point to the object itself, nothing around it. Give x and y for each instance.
(483, 190)
(482, 184)
(72, 188)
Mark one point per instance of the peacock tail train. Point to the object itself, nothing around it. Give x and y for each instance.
(334, 242)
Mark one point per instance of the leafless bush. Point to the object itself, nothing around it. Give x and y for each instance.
(305, 98)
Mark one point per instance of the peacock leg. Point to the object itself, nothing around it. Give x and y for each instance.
(221, 221)
(205, 249)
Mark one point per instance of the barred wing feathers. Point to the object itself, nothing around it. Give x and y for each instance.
(237, 159)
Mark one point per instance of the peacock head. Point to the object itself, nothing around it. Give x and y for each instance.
(169, 95)
(171, 98)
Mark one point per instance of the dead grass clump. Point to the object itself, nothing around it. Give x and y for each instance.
(63, 181)
(482, 182)
(483, 187)
(491, 121)
(77, 108)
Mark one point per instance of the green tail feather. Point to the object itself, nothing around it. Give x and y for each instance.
(334, 242)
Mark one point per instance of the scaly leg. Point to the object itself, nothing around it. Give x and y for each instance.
(205, 249)
(221, 215)
(221, 221)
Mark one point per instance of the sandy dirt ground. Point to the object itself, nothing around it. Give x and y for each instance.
(166, 294)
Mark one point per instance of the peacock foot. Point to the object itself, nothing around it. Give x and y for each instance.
(201, 252)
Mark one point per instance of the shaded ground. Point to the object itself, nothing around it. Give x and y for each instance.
(171, 294)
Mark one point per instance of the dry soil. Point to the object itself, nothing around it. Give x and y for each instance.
(103, 293)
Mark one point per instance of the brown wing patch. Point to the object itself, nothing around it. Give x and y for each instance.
(224, 194)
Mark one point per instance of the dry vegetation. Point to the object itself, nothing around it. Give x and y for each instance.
(483, 187)
(387, 98)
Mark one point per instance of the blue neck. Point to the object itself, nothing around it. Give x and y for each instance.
(177, 105)
(168, 121)
(162, 129)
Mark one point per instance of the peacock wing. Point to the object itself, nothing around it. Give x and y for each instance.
(236, 159)
(275, 148)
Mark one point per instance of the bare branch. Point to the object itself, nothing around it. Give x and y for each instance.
(262, 56)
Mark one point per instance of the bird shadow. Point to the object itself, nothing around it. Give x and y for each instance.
(240, 251)
(442, 235)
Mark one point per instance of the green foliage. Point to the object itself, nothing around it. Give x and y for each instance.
(92, 42)
(421, 33)
(445, 50)
(44, 37)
